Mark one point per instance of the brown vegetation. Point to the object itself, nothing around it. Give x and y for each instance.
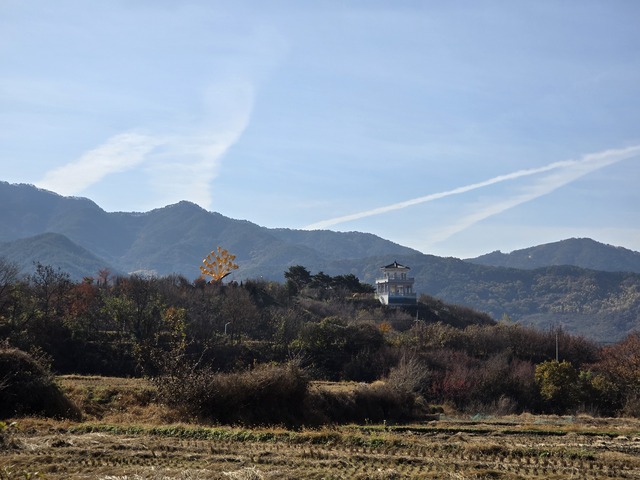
(144, 446)
(222, 334)
(28, 388)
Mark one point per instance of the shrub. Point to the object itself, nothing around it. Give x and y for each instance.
(28, 388)
(268, 394)
(278, 395)
(409, 375)
(380, 401)
(335, 349)
(7, 439)
(559, 384)
(618, 379)
(375, 402)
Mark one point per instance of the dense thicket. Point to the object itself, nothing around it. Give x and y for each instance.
(331, 327)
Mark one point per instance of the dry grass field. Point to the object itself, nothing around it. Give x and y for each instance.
(127, 435)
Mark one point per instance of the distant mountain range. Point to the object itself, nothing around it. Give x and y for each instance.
(585, 286)
(173, 239)
(579, 252)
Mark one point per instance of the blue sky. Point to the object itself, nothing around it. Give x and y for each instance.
(456, 128)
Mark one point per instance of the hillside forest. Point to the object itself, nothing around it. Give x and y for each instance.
(589, 288)
(185, 334)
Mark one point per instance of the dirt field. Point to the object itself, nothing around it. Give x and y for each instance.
(128, 436)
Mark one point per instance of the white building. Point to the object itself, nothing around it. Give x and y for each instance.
(395, 287)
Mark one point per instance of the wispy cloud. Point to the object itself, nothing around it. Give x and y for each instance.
(564, 172)
(179, 164)
(120, 153)
(189, 163)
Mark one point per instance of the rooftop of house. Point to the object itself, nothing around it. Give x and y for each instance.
(395, 264)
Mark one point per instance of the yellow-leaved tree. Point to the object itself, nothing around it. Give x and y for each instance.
(218, 264)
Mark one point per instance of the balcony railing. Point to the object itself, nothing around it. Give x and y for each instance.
(396, 280)
(396, 298)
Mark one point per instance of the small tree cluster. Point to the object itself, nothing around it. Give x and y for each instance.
(299, 280)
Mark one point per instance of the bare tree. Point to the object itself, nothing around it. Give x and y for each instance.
(8, 277)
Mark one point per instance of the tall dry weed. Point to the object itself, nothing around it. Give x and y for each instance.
(267, 394)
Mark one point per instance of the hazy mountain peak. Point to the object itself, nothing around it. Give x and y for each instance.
(184, 205)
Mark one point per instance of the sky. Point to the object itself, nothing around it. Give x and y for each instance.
(455, 128)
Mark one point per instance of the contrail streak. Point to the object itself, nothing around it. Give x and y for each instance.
(589, 163)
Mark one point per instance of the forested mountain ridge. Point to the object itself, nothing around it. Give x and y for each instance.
(56, 250)
(579, 252)
(600, 305)
(174, 239)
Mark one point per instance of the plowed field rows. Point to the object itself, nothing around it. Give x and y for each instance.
(439, 450)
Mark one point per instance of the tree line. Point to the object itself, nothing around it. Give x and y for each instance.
(331, 327)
